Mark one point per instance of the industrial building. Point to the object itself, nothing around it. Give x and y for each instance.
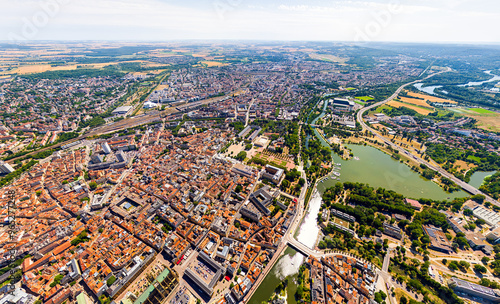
(455, 223)
(5, 168)
(477, 242)
(475, 290)
(490, 217)
(121, 110)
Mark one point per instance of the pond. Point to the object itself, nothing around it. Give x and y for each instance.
(477, 179)
(379, 169)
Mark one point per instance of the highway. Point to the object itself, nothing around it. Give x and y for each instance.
(470, 189)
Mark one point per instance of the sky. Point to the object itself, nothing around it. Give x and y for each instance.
(466, 21)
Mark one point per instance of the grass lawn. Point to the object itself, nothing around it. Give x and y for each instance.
(364, 98)
(442, 112)
(359, 102)
(350, 89)
(380, 109)
(475, 158)
(481, 111)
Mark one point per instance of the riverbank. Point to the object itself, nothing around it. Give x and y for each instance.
(288, 265)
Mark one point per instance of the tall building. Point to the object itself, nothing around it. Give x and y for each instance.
(106, 148)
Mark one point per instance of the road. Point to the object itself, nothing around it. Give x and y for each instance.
(247, 117)
(387, 260)
(470, 189)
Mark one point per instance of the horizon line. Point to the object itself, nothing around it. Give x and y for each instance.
(482, 43)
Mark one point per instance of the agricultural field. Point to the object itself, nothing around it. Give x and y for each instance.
(430, 98)
(417, 102)
(489, 122)
(213, 63)
(420, 110)
(40, 68)
(45, 67)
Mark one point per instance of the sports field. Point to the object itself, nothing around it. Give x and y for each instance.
(327, 57)
(481, 111)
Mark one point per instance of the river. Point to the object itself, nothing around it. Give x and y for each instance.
(430, 89)
(478, 83)
(288, 265)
